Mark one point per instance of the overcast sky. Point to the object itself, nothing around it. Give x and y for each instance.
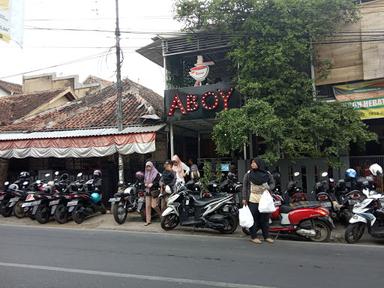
(46, 48)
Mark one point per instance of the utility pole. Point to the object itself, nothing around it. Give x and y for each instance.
(119, 88)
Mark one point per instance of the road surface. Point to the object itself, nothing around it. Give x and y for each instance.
(40, 257)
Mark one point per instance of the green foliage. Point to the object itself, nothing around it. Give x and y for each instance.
(271, 42)
(207, 175)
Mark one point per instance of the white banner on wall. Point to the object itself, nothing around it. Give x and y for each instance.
(12, 20)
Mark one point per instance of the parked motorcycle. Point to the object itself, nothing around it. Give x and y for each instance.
(127, 200)
(185, 209)
(308, 220)
(89, 199)
(294, 192)
(15, 195)
(369, 213)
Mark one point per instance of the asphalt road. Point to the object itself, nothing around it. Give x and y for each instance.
(41, 257)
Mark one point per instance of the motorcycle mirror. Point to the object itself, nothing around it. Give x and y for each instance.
(324, 174)
(38, 181)
(57, 173)
(47, 175)
(296, 174)
(79, 175)
(6, 183)
(25, 183)
(121, 182)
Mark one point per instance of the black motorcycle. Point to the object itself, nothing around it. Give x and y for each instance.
(184, 209)
(13, 196)
(88, 201)
(127, 200)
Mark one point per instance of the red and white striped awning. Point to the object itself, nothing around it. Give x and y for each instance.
(66, 144)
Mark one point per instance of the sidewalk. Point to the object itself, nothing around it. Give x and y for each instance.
(134, 223)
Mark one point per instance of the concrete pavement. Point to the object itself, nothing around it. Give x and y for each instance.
(38, 257)
(134, 223)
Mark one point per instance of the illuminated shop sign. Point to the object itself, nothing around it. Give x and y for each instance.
(200, 102)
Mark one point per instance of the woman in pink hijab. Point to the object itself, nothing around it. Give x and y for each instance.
(180, 168)
(151, 182)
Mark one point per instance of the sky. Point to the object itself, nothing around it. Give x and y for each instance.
(42, 49)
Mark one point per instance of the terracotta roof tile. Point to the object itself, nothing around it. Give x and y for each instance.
(97, 109)
(11, 88)
(18, 106)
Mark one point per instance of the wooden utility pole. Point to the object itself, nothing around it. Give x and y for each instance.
(119, 88)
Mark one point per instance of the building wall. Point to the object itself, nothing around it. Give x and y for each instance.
(355, 61)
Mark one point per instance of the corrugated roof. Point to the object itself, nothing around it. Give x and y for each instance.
(79, 133)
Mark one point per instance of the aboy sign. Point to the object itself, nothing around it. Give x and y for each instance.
(199, 102)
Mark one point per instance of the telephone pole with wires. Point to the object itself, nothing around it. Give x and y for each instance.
(119, 89)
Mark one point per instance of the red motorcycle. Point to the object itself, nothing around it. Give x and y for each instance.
(306, 219)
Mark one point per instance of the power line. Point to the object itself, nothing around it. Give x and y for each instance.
(99, 55)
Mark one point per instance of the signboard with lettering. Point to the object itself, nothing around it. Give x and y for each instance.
(366, 97)
(202, 102)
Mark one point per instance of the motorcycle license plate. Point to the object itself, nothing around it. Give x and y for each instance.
(54, 202)
(72, 203)
(29, 204)
(117, 199)
(326, 205)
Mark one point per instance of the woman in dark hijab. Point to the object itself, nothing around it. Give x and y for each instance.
(255, 182)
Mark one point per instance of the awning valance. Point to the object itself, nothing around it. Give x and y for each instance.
(79, 147)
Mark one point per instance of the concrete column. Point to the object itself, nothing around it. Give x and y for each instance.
(171, 139)
(4, 163)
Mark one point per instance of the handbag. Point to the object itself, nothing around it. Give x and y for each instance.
(266, 204)
(245, 217)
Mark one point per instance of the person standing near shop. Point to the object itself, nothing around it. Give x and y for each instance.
(255, 182)
(151, 182)
(167, 183)
(180, 168)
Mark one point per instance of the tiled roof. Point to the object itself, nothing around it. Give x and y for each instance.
(11, 88)
(17, 106)
(95, 110)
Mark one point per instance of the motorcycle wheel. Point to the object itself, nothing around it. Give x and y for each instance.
(169, 222)
(61, 214)
(6, 211)
(119, 213)
(42, 214)
(354, 232)
(78, 215)
(232, 223)
(323, 232)
(18, 210)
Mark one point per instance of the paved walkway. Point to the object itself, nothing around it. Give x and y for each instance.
(134, 223)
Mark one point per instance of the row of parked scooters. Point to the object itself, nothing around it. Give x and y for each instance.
(59, 199)
(352, 201)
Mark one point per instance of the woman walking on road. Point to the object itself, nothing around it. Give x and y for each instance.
(151, 182)
(255, 182)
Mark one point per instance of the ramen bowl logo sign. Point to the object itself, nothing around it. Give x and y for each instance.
(200, 71)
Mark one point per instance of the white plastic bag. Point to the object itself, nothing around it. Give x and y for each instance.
(266, 204)
(245, 217)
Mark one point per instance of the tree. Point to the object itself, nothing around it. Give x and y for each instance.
(271, 50)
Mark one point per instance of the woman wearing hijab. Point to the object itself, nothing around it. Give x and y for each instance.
(255, 182)
(151, 182)
(180, 168)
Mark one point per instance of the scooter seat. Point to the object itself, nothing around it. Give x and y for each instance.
(299, 205)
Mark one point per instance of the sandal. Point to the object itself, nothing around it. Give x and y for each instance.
(147, 224)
